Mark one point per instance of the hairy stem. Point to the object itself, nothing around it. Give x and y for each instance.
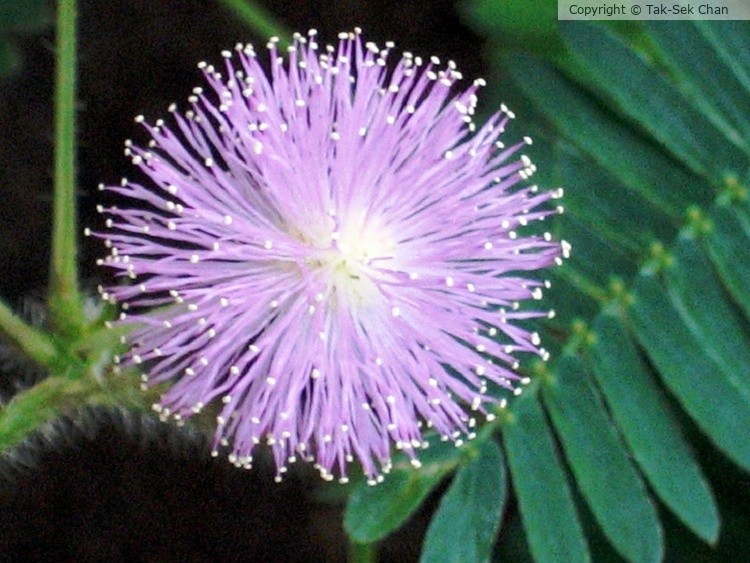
(30, 409)
(34, 343)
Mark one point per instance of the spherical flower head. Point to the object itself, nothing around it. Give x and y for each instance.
(330, 253)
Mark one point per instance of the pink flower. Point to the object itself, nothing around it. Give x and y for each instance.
(331, 252)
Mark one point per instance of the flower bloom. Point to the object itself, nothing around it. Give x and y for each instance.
(329, 251)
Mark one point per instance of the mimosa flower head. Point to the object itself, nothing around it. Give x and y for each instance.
(333, 252)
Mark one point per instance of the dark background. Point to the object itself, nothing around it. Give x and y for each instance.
(114, 487)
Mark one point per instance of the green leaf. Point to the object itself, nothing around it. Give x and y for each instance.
(637, 163)
(373, 512)
(729, 245)
(509, 21)
(598, 199)
(465, 525)
(549, 516)
(605, 475)
(644, 417)
(18, 17)
(700, 300)
(608, 206)
(593, 256)
(26, 15)
(567, 299)
(704, 78)
(639, 91)
(694, 378)
(731, 39)
(664, 126)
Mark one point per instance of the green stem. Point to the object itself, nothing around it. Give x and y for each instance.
(34, 343)
(362, 552)
(582, 283)
(259, 19)
(30, 409)
(64, 298)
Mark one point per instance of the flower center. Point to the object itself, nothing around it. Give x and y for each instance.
(350, 256)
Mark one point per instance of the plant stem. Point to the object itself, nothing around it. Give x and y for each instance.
(362, 552)
(259, 19)
(33, 407)
(34, 343)
(64, 297)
